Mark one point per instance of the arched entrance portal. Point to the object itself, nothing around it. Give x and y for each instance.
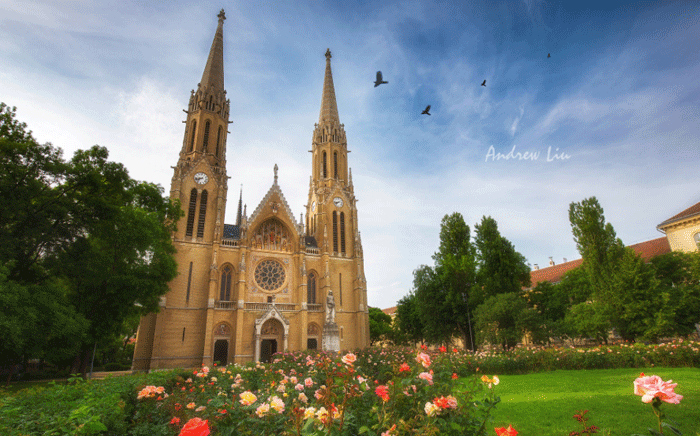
(273, 328)
(221, 352)
(271, 335)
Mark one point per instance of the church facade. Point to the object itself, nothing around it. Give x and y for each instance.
(267, 283)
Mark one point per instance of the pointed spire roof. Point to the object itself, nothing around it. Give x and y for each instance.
(329, 108)
(213, 76)
(239, 215)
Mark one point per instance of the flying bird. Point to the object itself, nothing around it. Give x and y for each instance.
(379, 80)
(549, 55)
(426, 110)
(483, 83)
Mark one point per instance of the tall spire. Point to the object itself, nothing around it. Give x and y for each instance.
(240, 206)
(213, 76)
(329, 108)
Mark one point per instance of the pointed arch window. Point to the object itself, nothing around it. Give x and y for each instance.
(335, 231)
(335, 165)
(193, 133)
(311, 289)
(325, 168)
(226, 274)
(191, 211)
(342, 232)
(205, 143)
(218, 141)
(202, 214)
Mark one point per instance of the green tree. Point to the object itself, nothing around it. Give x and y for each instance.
(35, 214)
(407, 325)
(121, 264)
(81, 235)
(501, 269)
(501, 276)
(678, 274)
(589, 320)
(379, 325)
(433, 306)
(443, 292)
(622, 285)
(502, 319)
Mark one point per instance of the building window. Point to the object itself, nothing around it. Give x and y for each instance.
(192, 210)
(340, 288)
(189, 282)
(225, 294)
(218, 141)
(311, 289)
(202, 214)
(324, 169)
(696, 237)
(342, 232)
(335, 231)
(270, 275)
(183, 334)
(205, 143)
(335, 165)
(193, 133)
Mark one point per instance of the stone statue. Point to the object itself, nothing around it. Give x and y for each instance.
(330, 308)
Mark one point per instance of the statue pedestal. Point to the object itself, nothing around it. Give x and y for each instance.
(331, 337)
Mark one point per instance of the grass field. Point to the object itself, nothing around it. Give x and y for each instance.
(544, 403)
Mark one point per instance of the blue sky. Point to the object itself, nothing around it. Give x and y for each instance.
(620, 96)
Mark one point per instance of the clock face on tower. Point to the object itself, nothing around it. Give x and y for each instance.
(201, 178)
(338, 202)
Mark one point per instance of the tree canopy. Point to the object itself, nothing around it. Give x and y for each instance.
(84, 245)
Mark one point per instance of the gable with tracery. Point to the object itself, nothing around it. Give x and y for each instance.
(272, 235)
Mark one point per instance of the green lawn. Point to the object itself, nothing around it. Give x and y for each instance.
(544, 403)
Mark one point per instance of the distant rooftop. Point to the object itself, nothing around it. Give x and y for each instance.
(554, 274)
(689, 212)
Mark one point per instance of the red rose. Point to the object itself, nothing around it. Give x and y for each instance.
(195, 427)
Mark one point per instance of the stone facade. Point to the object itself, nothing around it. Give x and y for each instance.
(249, 289)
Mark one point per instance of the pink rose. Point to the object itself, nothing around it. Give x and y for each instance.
(426, 376)
(349, 359)
(652, 386)
(423, 359)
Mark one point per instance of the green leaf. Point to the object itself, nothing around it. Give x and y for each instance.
(654, 432)
(673, 429)
(363, 429)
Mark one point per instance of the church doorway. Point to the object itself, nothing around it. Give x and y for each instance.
(221, 352)
(311, 344)
(268, 347)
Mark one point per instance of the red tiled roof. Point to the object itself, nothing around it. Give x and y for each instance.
(692, 210)
(390, 311)
(646, 250)
(553, 273)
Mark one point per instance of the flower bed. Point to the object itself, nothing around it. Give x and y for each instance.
(389, 391)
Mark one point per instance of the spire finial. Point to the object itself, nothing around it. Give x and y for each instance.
(222, 16)
(328, 54)
(276, 168)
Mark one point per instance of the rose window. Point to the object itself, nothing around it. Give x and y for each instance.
(269, 275)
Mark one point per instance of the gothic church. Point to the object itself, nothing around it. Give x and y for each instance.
(267, 283)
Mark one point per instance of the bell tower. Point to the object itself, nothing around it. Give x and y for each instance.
(331, 213)
(199, 179)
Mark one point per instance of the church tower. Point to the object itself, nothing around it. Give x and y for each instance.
(199, 179)
(331, 213)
